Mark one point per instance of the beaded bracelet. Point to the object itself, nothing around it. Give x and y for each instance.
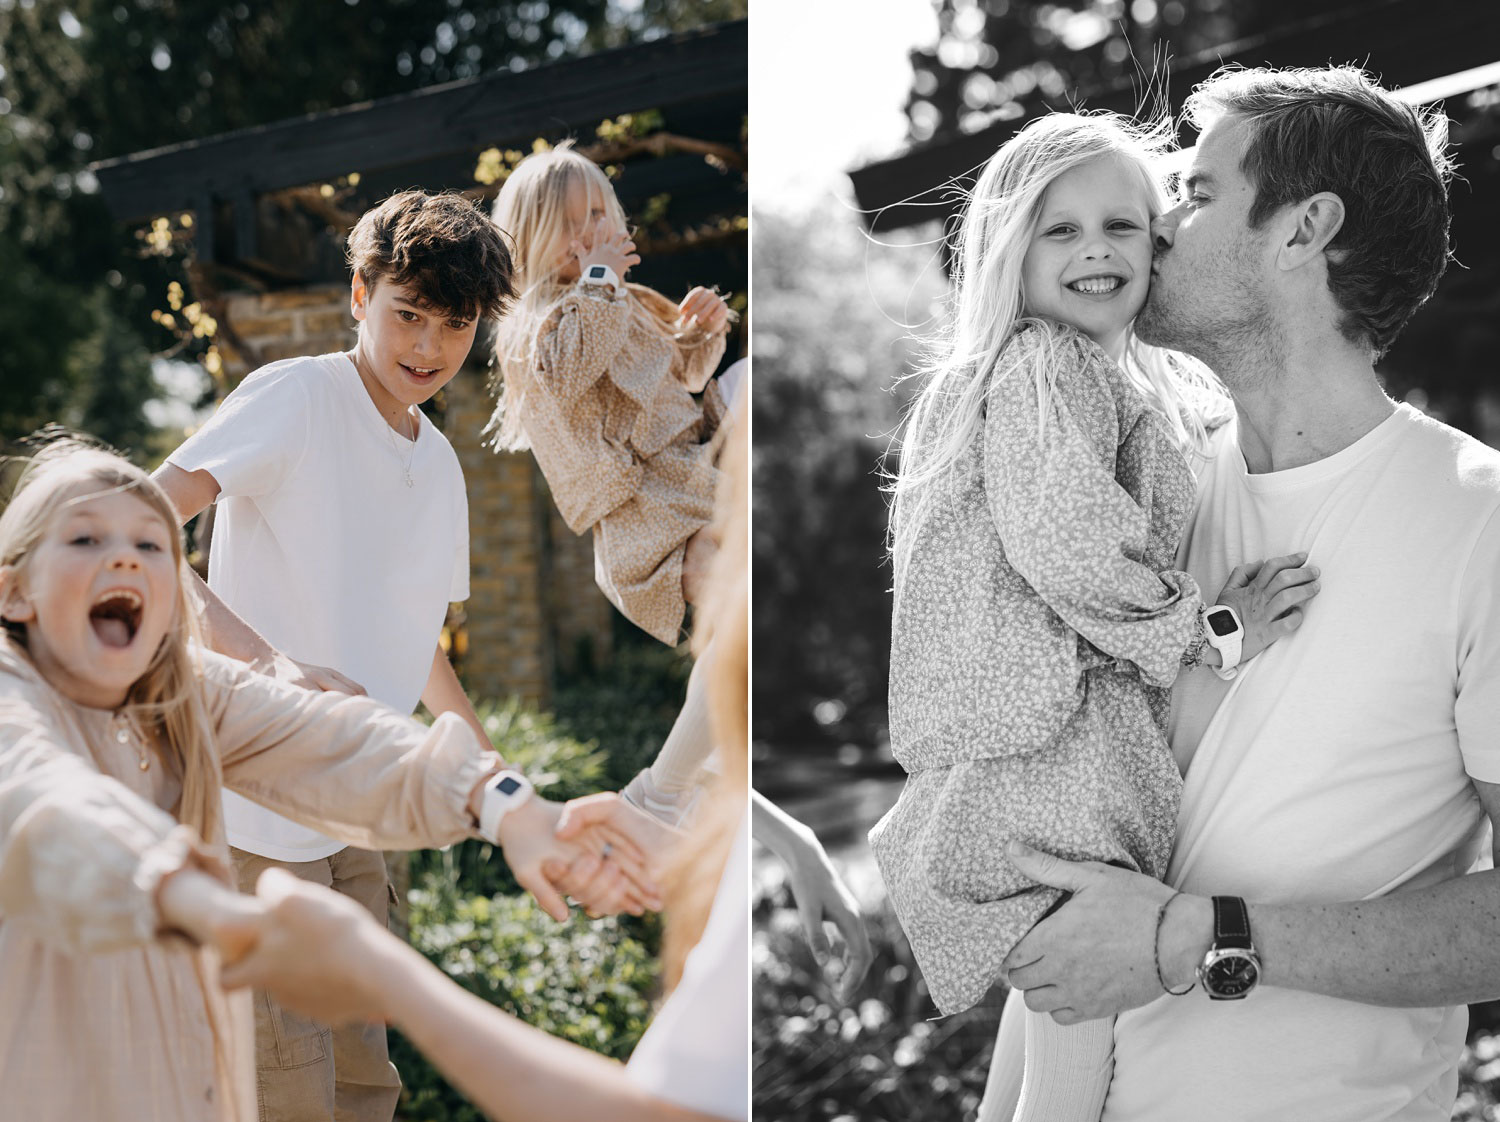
(1161, 914)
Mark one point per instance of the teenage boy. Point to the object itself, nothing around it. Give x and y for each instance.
(341, 537)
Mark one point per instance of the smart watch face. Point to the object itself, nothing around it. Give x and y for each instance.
(1230, 974)
(598, 272)
(508, 785)
(1221, 622)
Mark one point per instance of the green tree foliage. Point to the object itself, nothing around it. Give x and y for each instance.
(90, 79)
(1000, 61)
(828, 347)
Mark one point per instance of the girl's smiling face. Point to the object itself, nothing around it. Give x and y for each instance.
(97, 594)
(1089, 260)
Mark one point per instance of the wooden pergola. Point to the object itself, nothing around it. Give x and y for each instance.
(235, 184)
(1404, 42)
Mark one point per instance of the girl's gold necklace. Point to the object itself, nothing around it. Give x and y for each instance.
(125, 733)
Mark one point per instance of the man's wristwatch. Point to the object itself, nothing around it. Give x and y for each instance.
(503, 792)
(1226, 634)
(601, 275)
(1231, 968)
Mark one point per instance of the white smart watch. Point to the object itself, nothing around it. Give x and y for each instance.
(1226, 634)
(600, 275)
(503, 792)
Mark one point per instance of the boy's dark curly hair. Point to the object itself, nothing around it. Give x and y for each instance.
(442, 248)
(1336, 130)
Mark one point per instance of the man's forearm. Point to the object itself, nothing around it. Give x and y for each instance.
(1431, 946)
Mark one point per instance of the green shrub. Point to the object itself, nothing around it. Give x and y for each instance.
(586, 981)
(628, 707)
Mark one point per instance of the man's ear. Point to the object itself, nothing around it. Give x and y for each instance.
(14, 606)
(1312, 226)
(359, 297)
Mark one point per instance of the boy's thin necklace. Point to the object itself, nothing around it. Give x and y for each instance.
(125, 733)
(410, 456)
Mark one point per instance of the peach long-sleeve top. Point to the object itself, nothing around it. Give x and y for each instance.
(102, 1015)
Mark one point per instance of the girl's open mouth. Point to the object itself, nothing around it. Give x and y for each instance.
(421, 373)
(116, 617)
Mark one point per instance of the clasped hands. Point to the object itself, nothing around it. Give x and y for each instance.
(1095, 956)
(600, 850)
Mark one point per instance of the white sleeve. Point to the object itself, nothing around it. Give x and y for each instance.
(696, 1052)
(255, 440)
(1476, 709)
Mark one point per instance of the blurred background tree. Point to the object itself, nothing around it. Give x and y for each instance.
(85, 80)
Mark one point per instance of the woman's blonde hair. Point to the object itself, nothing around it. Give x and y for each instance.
(532, 208)
(988, 307)
(166, 702)
(723, 616)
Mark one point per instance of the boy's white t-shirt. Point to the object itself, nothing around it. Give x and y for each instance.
(1335, 767)
(319, 544)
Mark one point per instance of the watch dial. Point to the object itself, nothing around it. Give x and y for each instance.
(509, 785)
(1221, 622)
(1232, 975)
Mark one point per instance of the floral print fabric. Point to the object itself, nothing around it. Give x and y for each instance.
(1035, 634)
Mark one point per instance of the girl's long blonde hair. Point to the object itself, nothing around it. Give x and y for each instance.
(166, 702)
(532, 208)
(987, 308)
(724, 618)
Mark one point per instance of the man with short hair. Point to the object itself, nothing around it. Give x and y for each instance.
(1338, 788)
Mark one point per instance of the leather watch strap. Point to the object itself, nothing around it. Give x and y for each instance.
(1231, 922)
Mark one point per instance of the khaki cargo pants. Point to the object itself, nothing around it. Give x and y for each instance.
(305, 1072)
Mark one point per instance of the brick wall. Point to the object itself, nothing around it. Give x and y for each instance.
(533, 605)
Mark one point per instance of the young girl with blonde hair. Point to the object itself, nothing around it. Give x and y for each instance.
(116, 733)
(597, 377)
(1043, 486)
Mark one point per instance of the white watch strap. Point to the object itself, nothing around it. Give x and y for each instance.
(1229, 646)
(600, 275)
(503, 792)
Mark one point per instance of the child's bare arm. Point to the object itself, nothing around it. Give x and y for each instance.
(191, 493)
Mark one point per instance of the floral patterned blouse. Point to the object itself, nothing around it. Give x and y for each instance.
(1035, 633)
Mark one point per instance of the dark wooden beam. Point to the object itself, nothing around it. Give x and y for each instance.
(427, 124)
(1402, 41)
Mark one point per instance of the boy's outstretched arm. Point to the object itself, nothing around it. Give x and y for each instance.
(192, 492)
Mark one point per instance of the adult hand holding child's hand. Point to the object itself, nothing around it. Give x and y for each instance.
(606, 873)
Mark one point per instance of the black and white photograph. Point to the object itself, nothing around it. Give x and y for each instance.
(1126, 677)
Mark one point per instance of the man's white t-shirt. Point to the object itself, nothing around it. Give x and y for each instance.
(696, 1052)
(1335, 767)
(321, 546)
